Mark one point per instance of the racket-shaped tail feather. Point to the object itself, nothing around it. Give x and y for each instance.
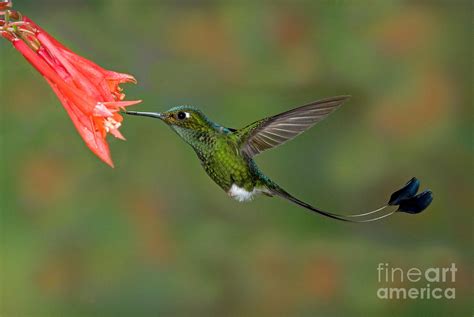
(405, 198)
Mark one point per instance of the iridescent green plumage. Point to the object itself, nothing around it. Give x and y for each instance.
(218, 148)
(227, 154)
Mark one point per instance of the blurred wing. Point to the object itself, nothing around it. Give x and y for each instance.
(273, 131)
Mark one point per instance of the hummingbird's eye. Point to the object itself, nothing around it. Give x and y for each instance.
(182, 115)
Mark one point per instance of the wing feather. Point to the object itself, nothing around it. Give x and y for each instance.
(276, 130)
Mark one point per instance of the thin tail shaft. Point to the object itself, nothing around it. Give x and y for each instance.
(405, 198)
(348, 218)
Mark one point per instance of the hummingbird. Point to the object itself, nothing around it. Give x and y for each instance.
(226, 154)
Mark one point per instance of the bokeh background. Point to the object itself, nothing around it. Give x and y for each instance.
(155, 236)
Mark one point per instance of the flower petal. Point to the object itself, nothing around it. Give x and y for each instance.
(116, 133)
(80, 81)
(95, 73)
(120, 77)
(121, 104)
(101, 110)
(93, 139)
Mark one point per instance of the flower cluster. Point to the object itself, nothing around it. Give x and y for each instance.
(90, 94)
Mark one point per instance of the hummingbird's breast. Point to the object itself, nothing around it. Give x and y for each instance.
(223, 162)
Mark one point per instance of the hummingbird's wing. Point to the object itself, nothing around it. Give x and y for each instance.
(273, 131)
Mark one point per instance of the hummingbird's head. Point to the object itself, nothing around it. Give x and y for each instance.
(186, 117)
(187, 121)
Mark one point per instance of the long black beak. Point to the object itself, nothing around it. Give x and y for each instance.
(147, 114)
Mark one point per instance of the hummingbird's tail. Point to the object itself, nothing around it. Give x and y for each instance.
(405, 198)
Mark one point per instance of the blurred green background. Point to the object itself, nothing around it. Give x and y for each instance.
(156, 237)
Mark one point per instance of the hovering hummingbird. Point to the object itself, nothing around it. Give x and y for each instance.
(227, 154)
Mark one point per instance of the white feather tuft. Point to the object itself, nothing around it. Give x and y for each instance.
(240, 194)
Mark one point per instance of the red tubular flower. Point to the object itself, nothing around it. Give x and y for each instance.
(90, 94)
